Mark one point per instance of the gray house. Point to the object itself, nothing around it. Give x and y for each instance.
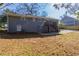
(70, 21)
(22, 23)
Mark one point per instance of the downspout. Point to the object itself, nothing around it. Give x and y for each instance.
(7, 23)
(57, 25)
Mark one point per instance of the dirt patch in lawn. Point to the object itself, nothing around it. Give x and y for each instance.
(33, 44)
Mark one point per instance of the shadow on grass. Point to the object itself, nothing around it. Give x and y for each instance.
(5, 35)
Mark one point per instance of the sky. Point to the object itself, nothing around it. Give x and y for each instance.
(52, 12)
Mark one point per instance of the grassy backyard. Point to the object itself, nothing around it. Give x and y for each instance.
(33, 44)
(69, 27)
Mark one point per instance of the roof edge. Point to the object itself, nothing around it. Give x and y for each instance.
(28, 16)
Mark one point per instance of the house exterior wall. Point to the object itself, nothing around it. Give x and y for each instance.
(28, 24)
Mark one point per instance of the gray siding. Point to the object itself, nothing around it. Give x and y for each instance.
(28, 25)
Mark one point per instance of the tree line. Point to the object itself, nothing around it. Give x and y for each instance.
(35, 8)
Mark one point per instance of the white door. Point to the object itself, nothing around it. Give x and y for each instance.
(19, 28)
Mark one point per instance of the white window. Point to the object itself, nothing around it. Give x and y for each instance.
(19, 28)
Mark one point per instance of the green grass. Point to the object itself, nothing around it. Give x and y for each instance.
(69, 27)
